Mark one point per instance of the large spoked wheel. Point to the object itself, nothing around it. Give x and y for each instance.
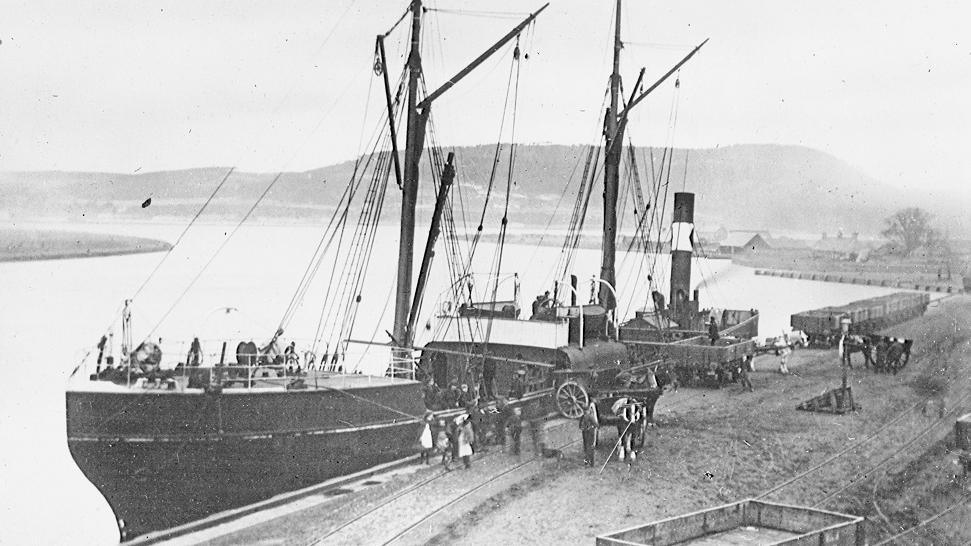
(571, 399)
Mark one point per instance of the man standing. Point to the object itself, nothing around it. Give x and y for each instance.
(712, 330)
(743, 371)
(783, 360)
(515, 426)
(588, 429)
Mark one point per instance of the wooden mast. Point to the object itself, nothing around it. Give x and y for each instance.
(414, 143)
(614, 134)
(418, 113)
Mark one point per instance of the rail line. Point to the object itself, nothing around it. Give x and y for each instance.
(925, 522)
(897, 451)
(453, 500)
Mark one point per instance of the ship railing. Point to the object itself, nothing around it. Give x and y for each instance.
(403, 363)
(450, 300)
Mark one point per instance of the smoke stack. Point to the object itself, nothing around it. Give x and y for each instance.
(682, 230)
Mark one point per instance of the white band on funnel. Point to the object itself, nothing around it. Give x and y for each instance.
(681, 236)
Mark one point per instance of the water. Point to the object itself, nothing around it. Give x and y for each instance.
(53, 312)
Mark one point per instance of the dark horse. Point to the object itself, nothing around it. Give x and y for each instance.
(857, 344)
(892, 354)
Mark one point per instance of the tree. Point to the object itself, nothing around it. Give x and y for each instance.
(909, 229)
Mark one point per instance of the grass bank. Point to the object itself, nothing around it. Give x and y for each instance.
(17, 245)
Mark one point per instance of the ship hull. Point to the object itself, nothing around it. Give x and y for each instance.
(230, 450)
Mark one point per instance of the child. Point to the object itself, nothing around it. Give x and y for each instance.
(426, 441)
(443, 445)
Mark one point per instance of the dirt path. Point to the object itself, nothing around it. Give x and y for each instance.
(726, 445)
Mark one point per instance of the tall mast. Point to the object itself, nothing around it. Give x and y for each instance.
(414, 142)
(614, 134)
(418, 114)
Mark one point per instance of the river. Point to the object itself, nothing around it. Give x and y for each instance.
(53, 312)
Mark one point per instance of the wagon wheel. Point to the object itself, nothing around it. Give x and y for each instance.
(571, 399)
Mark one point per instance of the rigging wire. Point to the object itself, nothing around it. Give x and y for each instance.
(215, 254)
(184, 231)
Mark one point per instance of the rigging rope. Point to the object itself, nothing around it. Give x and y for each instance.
(184, 231)
(213, 257)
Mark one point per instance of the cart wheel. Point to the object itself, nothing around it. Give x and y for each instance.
(571, 399)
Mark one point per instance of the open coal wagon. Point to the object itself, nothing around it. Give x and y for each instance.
(696, 359)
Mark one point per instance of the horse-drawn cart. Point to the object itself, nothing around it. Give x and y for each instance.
(624, 398)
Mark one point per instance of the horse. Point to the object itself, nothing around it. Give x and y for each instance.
(857, 344)
(892, 354)
(630, 412)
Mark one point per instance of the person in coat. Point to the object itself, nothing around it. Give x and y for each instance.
(588, 429)
(426, 440)
(515, 426)
(466, 437)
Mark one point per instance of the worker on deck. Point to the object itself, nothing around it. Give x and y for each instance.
(195, 353)
(518, 387)
(712, 330)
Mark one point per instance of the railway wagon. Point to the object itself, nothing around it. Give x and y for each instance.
(746, 522)
(866, 316)
(696, 358)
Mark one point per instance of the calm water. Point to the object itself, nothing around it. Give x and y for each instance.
(53, 312)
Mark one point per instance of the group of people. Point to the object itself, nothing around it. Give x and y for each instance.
(469, 433)
(465, 396)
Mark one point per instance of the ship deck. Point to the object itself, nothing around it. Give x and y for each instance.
(313, 380)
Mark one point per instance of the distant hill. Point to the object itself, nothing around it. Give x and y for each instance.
(769, 187)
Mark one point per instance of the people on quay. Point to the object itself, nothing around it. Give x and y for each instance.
(743, 370)
(784, 359)
(504, 411)
(443, 445)
(427, 443)
(712, 330)
(588, 430)
(514, 424)
(466, 438)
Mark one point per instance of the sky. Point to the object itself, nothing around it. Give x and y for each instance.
(145, 86)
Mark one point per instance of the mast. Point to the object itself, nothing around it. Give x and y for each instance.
(418, 113)
(414, 142)
(614, 134)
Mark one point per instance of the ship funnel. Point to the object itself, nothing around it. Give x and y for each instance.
(682, 233)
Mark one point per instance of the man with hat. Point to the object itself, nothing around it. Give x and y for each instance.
(588, 429)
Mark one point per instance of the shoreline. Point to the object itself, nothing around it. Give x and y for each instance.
(70, 255)
(28, 245)
(858, 278)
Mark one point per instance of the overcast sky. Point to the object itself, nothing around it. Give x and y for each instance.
(270, 86)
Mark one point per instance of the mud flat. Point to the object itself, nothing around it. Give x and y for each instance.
(17, 245)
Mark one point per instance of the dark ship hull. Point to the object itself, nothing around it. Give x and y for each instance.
(163, 458)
